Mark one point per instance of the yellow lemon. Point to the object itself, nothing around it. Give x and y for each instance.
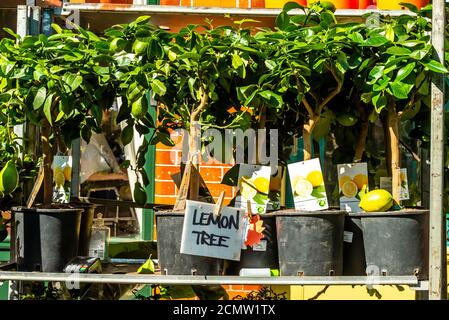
(303, 188)
(247, 191)
(360, 180)
(315, 178)
(342, 180)
(67, 173)
(59, 179)
(262, 184)
(349, 189)
(377, 201)
(403, 177)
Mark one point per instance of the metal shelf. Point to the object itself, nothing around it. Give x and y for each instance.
(209, 280)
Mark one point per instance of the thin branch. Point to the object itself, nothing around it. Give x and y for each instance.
(333, 93)
(308, 107)
(203, 104)
(409, 149)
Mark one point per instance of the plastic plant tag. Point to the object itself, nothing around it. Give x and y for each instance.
(307, 183)
(209, 235)
(404, 194)
(254, 185)
(62, 175)
(352, 185)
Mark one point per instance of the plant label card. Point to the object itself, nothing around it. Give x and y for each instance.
(404, 194)
(254, 185)
(306, 179)
(352, 183)
(62, 175)
(208, 235)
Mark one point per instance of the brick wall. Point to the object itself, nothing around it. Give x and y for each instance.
(168, 161)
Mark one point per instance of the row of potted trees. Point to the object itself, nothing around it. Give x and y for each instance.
(294, 77)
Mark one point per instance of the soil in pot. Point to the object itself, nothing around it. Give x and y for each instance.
(45, 239)
(396, 243)
(264, 255)
(171, 261)
(310, 243)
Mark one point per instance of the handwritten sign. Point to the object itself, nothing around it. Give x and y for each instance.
(208, 235)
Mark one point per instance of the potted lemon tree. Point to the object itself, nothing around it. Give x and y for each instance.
(61, 83)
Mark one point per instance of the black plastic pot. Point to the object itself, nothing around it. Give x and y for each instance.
(354, 262)
(250, 258)
(310, 243)
(396, 243)
(45, 239)
(169, 232)
(87, 218)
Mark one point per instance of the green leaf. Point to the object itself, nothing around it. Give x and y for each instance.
(270, 64)
(57, 28)
(292, 5)
(127, 134)
(47, 108)
(375, 41)
(435, 66)
(405, 71)
(147, 267)
(282, 20)
(158, 87)
(379, 102)
(72, 80)
(401, 90)
(260, 198)
(39, 99)
(399, 51)
(236, 61)
(319, 192)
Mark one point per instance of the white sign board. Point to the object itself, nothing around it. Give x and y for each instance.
(208, 235)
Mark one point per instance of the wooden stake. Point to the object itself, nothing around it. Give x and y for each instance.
(219, 205)
(36, 187)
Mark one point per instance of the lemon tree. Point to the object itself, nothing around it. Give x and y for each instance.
(62, 83)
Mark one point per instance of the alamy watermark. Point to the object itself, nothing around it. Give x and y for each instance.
(230, 146)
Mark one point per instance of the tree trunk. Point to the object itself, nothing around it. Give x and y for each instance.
(307, 137)
(393, 135)
(195, 149)
(387, 143)
(361, 142)
(47, 162)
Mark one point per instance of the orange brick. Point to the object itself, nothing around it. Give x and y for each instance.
(216, 189)
(168, 157)
(165, 172)
(165, 188)
(211, 174)
(165, 200)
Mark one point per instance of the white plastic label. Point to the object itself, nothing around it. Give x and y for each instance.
(348, 236)
(261, 246)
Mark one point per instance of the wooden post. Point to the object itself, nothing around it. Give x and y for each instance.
(437, 250)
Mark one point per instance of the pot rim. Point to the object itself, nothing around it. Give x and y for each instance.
(401, 213)
(46, 210)
(299, 213)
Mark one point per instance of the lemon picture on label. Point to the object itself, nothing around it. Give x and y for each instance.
(67, 173)
(349, 189)
(303, 188)
(262, 184)
(315, 178)
(361, 180)
(343, 179)
(59, 178)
